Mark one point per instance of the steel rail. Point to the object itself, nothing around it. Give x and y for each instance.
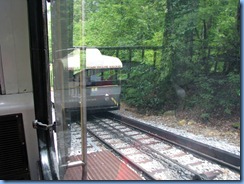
(139, 169)
(145, 148)
(219, 156)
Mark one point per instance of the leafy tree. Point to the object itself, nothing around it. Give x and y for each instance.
(200, 42)
(124, 22)
(148, 96)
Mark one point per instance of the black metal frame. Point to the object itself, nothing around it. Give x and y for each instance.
(37, 14)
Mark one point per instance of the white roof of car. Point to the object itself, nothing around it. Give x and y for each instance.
(95, 60)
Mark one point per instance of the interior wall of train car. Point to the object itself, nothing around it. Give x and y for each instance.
(16, 96)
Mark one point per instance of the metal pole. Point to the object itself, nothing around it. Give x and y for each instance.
(83, 123)
(83, 96)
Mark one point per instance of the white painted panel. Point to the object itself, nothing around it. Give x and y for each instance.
(16, 72)
(22, 48)
(15, 51)
(7, 47)
(23, 103)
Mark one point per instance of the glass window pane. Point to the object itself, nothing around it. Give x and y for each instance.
(68, 85)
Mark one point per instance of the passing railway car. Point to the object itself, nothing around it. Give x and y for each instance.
(101, 81)
(103, 87)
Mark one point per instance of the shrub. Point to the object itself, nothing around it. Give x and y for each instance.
(217, 94)
(147, 90)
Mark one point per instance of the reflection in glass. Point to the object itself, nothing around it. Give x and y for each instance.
(69, 95)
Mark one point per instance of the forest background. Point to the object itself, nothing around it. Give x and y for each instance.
(198, 67)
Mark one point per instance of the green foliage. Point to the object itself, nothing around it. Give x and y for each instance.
(146, 90)
(236, 125)
(217, 95)
(77, 24)
(205, 117)
(201, 49)
(202, 42)
(123, 22)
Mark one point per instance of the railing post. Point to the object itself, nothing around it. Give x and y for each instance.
(154, 57)
(130, 56)
(142, 55)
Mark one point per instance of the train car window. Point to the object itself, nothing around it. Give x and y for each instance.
(101, 76)
(138, 89)
(166, 63)
(97, 75)
(109, 75)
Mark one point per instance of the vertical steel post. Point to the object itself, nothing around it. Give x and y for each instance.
(83, 96)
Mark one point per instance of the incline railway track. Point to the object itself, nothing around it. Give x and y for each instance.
(158, 158)
(227, 159)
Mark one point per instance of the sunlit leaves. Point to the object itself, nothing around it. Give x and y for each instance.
(124, 22)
